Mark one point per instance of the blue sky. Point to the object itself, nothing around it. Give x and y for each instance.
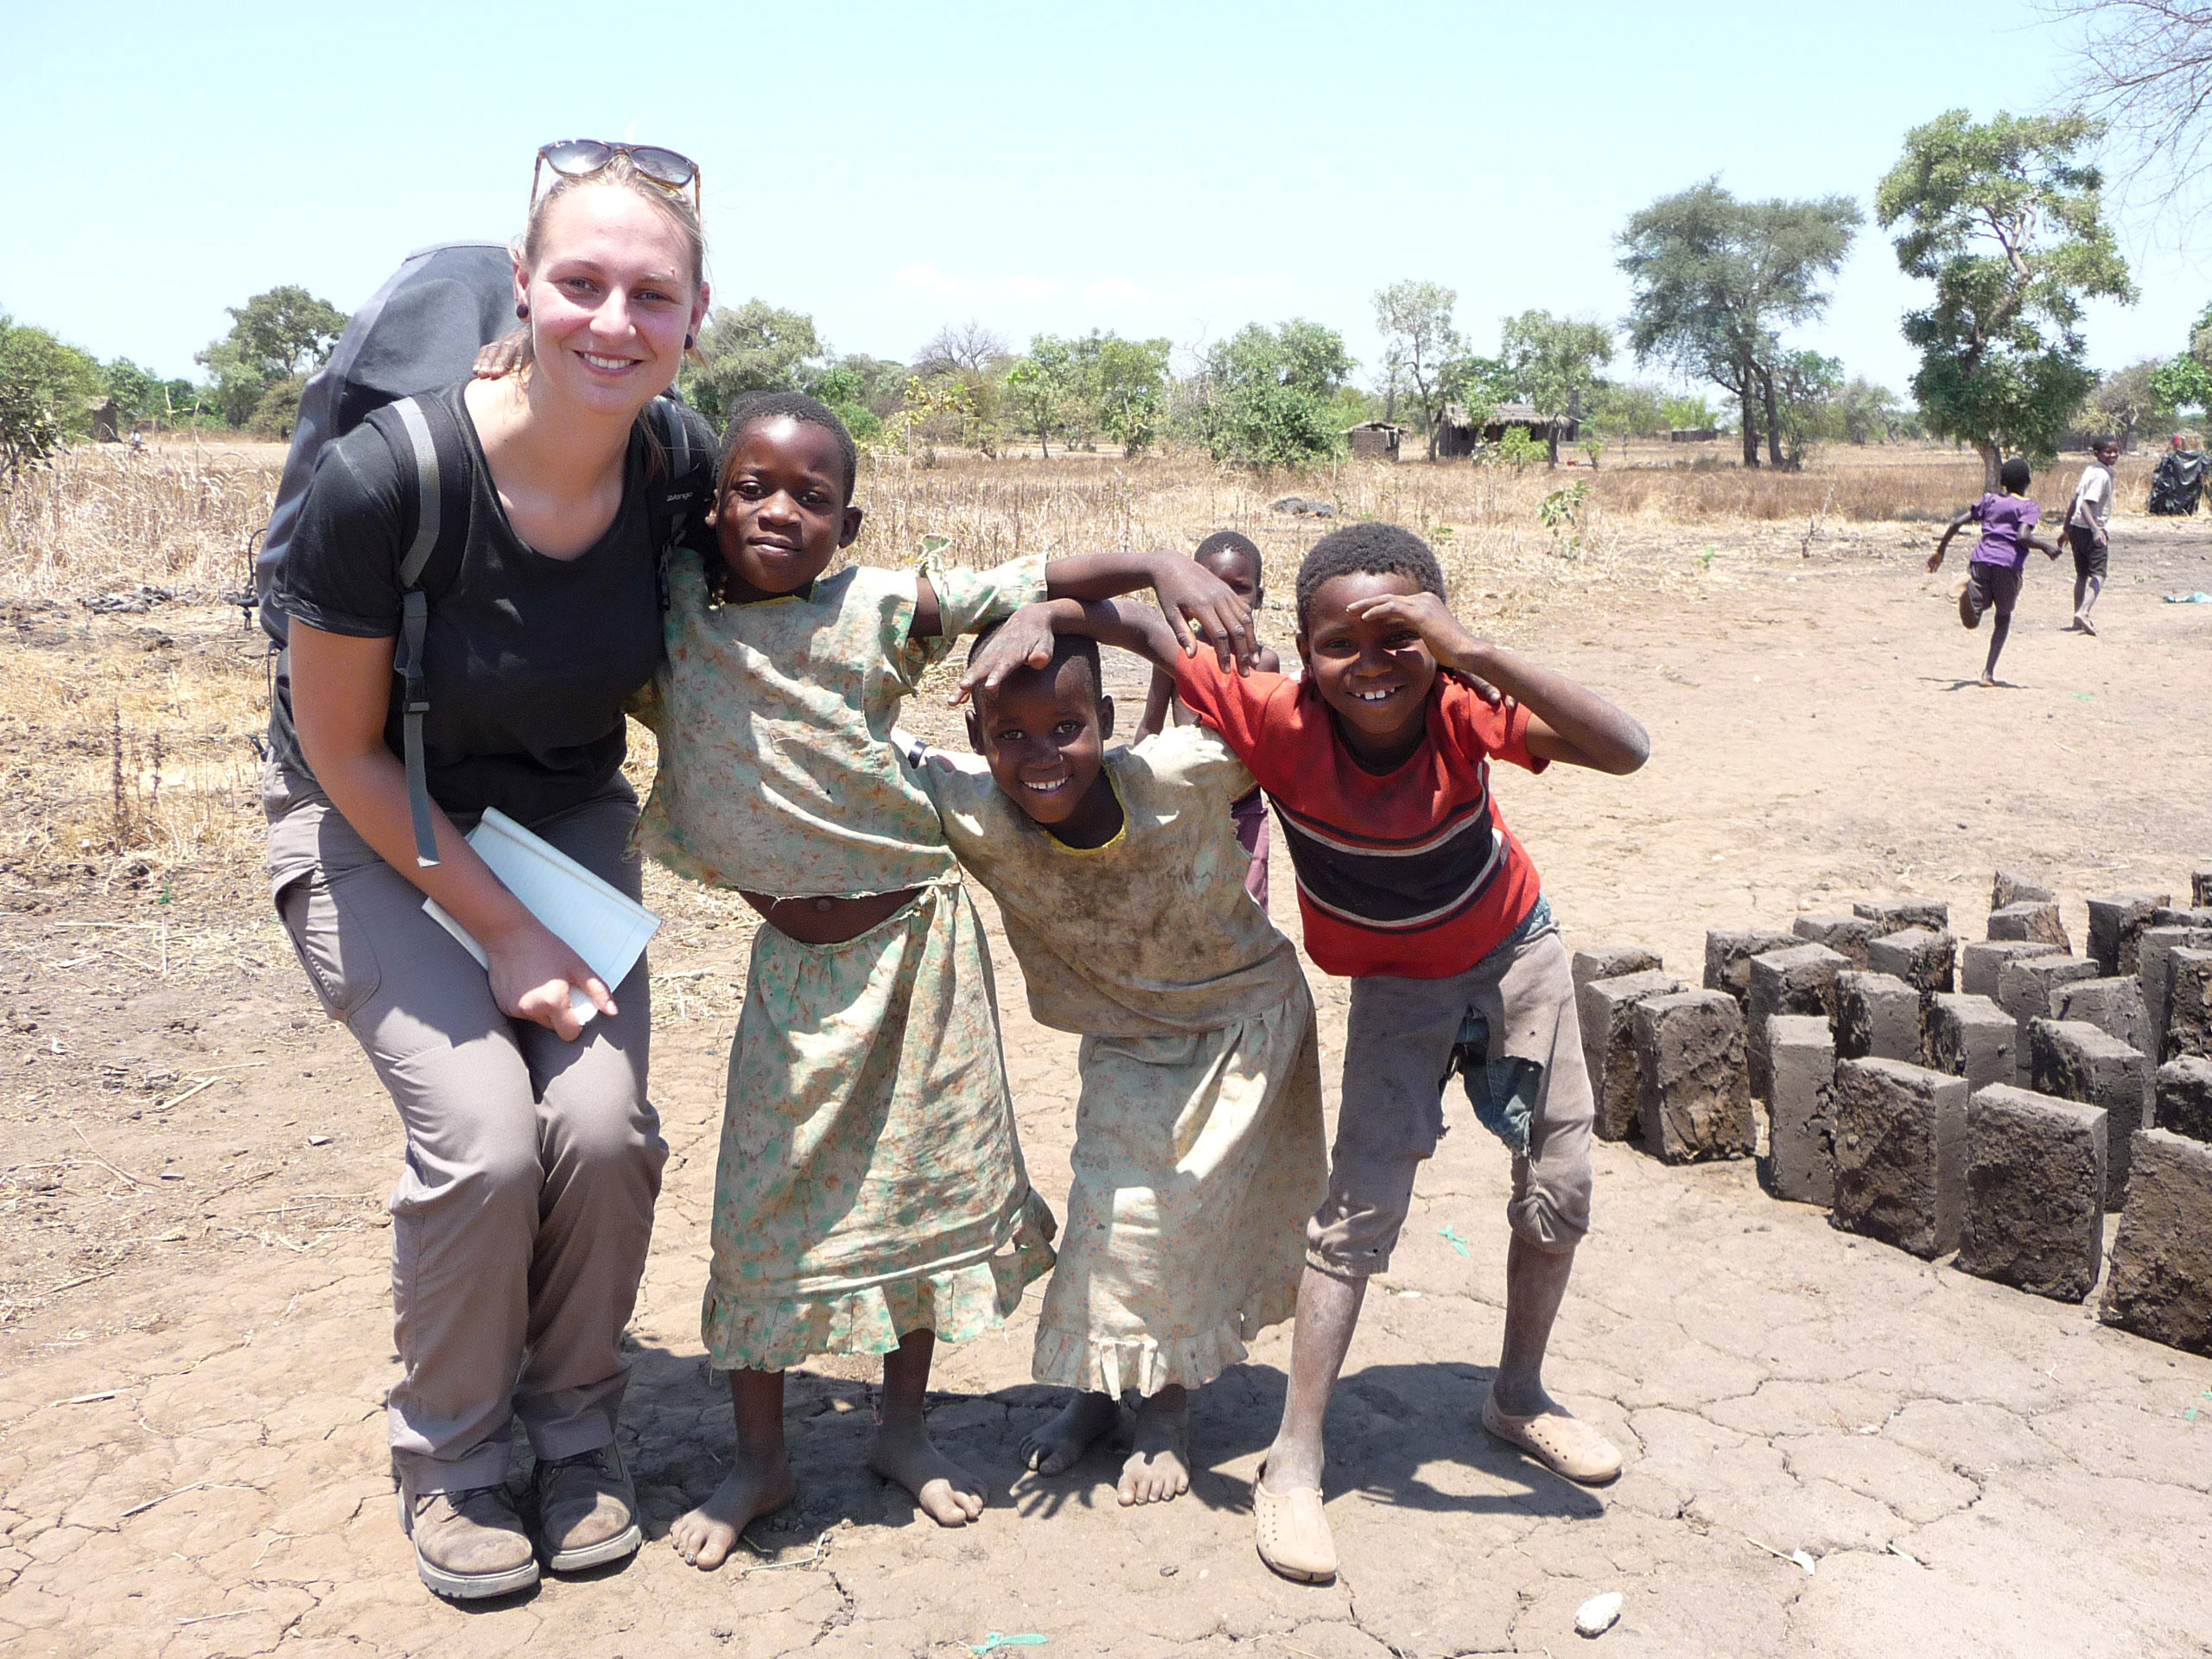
(1158, 169)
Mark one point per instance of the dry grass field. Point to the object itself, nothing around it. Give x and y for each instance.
(194, 1294)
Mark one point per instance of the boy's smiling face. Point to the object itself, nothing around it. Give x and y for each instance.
(1043, 732)
(1238, 574)
(782, 514)
(1374, 676)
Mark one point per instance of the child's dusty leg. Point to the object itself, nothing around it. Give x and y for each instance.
(758, 1483)
(1328, 1313)
(902, 1450)
(1159, 1464)
(1088, 1418)
(1969, 618)
(2081, 592)
(1999, 627)
(2086, 591)
(1535, 1282)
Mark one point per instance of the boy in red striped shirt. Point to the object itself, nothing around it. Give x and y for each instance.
(1409, 883)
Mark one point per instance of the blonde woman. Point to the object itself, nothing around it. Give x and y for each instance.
(521, 1220)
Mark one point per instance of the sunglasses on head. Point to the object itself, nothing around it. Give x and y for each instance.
(579, 158)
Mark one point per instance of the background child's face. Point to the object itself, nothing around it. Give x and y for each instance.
(781, 516)
(1375, 675)
(1043, 733)
(2108, 453)
(1239, 572)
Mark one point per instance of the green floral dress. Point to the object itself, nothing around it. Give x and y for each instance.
(1198, 1152)
(870, 1183)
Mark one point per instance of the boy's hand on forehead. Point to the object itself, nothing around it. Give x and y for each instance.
(1453, 646)
(1202, 609)
(1024, 639)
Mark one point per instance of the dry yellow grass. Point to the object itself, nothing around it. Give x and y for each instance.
(130, 738)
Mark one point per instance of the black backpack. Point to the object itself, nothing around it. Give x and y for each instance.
(420, 334)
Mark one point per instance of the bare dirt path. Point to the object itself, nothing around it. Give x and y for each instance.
(196, 1332)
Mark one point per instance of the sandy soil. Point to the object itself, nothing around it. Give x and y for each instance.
(194, 1316)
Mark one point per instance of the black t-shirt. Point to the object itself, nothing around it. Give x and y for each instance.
(528, 659)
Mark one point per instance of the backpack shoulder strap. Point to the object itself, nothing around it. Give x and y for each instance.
(425, 441)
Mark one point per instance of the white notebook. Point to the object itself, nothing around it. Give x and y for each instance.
(607, 928)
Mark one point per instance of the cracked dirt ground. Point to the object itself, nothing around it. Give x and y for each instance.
(191, 1456)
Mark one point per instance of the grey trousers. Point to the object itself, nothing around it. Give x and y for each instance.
(521, 1221)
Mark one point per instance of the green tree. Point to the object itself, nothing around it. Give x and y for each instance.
(285, 331)
(1414, 319)
(753, 347)
(1867, 413)
(1627, 409)
(138, 393)
(2009, 226)
(1128, 389)
(1554, 364)
(1046, 389)
(1800, 388)
(2126, 402)
(47, 390)
(2186, 381)
(1267, 398)
(1715, 280)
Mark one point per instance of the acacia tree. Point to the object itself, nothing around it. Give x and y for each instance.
(958, 345)
(1414, 319)
(752, 347)
(1715, 280)
(1553, 363)
(2010, 228)
(2127, 401)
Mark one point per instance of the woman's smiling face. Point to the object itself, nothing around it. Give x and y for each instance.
(783, 514)
(611, 299)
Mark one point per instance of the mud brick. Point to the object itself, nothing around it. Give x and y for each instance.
(1980, 961)
(1800, 980)
(1693, 1100)
(2024, 990)
(2011, 887)
(2035, 1210)
(1900, 1154)
(2188, 1003)
(2182, 1090)
(2114, 924)
(1923, 957)
(2038, 922)
(1894, 915)
(2182, 916)
(1846, 934)
(1800, 1072)
(1971, 1037)
(1876, 1017)
(1728, 958)
(2153, 948)
(2161, 1283)
(2076, 1061)
(2112, 1005)
(2200, 886)
(1612, 961)
(1604, 1009)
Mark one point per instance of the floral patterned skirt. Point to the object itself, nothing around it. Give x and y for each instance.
(1197, 1159)
(870, 1182)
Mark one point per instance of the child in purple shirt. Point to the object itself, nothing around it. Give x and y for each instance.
(1994, 573)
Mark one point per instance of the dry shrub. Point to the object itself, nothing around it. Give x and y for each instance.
(177, 515)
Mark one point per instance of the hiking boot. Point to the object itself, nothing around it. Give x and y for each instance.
(468, 1544)
(586, 1511)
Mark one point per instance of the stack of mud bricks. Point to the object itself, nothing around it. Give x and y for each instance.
(1666, 1062)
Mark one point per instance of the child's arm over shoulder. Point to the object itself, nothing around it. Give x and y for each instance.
(950, 602)
(1568, 720)
(1193, 600)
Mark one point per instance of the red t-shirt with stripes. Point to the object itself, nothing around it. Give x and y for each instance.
(1412, 873)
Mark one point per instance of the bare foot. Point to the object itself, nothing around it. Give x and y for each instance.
(2086, 626)
(1159, 1465)
(705, 1536)
(948, 1494)
(1084, 1421)
(1987, 680)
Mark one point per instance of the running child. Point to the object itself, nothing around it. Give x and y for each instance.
(1410, 884)
(1198, 1142)
(2088, 530)
(1993, 572)
(870, 1194)
(1235, 559)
